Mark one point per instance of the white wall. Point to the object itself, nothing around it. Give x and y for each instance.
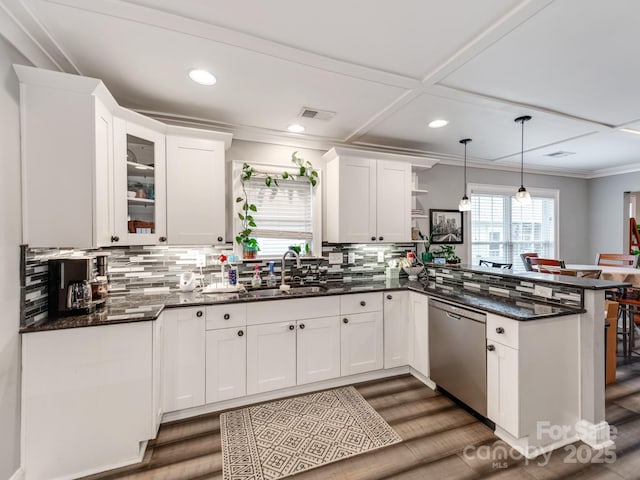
(608, 212)
(10, 261)
(445, 185)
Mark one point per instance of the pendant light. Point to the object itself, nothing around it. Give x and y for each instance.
(465, 203)
(522, 196)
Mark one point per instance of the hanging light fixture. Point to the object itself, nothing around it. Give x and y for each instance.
(522, 196)
(465, 203)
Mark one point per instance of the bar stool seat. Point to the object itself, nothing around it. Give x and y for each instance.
(628, 308)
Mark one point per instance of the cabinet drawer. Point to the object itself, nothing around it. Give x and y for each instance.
(503, 330)
(293, 309)
(226, 316)
(360, 303)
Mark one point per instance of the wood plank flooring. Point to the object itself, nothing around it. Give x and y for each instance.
(435, 432)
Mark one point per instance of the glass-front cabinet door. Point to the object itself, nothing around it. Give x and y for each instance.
(139, 185)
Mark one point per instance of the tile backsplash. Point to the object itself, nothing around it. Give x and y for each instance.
(139, 269)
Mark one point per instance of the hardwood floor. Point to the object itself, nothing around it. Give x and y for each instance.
(435, 432)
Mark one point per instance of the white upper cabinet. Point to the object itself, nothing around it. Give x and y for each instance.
(94, 173)
(195, 190)
(67, 152)
(368, 196)
(139, 192)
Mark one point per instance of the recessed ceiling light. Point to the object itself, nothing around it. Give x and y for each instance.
(295, 128)
(438, 123)
(202, 77)
(630, 130)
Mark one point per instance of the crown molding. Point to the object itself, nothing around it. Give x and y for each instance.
(620, 170)
(28, 35)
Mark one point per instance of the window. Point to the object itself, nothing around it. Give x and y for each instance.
(285, 214)
(502, 229)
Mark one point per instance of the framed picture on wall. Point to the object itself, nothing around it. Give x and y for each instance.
(445, 226)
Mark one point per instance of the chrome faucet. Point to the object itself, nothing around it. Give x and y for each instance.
(283, 284)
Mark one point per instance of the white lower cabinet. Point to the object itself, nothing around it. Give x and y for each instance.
(271, 356)
(318, 349)
(397, 329)
(184, 355)
(87, 399)
(545, 353)
(419, 344)
(361, 343)
(226, 367)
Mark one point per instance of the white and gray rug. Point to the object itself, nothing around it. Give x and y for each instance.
(284, 437)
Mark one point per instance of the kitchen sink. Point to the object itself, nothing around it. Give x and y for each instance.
(294, 290)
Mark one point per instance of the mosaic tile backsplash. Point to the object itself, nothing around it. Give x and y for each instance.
(513, 288)
(146, 269)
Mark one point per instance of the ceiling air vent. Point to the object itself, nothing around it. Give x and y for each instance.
(559, 154)
(316, 114)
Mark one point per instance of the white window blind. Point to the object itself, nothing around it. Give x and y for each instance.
(502, 229)
(284, 214)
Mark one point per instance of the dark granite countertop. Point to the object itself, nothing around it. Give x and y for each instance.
(568, 280)
(121, 308)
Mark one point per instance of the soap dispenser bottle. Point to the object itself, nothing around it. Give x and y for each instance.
(256, 281)
(272, 281)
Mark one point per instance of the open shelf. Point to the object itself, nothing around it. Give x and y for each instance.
(135, 169)
(140, 201)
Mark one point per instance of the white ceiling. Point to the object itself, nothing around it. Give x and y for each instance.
(385, 68)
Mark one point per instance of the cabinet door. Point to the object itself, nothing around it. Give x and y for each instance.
(271, 357)
(357, 201)
(318, 341)
(419, 346)
(103, 204)
(397, 327)
(195, 191)
(184, 372)
(139, 185)
(393, 212)
(361, 344)
(503, 387)
(226, 373)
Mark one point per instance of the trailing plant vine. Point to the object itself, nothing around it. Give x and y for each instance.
(247, 209)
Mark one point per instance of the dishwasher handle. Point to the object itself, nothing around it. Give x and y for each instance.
(457, 312)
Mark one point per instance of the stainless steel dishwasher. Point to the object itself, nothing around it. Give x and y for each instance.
(457, 353)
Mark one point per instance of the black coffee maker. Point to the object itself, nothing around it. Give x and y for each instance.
(69, 286)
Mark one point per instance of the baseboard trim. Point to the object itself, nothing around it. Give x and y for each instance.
(18, 475)
(286, 392)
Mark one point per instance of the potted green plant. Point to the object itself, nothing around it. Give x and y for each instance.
(249, 243)
(448, 252)
(427, 255)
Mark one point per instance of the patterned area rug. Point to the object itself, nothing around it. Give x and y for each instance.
(284, 437)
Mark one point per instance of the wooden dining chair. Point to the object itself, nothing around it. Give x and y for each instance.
(489, 263)
(617, 260)
(525, 259)
(540, 265)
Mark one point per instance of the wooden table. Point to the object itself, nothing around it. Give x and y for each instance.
(618, 274)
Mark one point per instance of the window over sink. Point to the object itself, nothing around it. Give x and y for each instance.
(287, 215)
